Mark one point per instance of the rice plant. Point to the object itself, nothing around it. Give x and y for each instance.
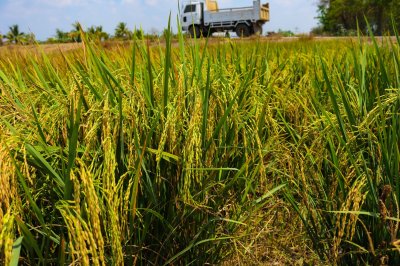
(199, 152)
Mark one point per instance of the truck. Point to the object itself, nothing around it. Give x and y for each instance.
(203, 18)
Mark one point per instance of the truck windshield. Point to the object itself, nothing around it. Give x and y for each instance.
(190, 9)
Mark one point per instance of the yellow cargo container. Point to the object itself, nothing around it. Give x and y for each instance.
(212, 5)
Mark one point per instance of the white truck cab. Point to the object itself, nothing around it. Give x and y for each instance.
(203, 17)
(192, 14)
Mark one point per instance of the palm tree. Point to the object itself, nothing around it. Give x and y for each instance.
(121, 31)
(75, 33)
(97, 33)
(91, 32)
(14, 35)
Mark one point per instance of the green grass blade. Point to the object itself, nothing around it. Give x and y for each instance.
(167, 66)
(75, 120)
(332, 96)
(41, 163)
(16, 249)
(29, 240)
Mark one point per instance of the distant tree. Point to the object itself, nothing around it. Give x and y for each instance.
(75, 33)
(91, 30)
(61, 36)
(29, 38)
(381, 12)
(318, 31)
(346, 16)
(97, 33)
(122, 32)
(341, 16)
(285, 33)
(52, 40)
(1, 39)
(138, 33)
(14, 35)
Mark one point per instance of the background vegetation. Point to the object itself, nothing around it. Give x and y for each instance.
(240, 152)
(344, 17)
(94, 33)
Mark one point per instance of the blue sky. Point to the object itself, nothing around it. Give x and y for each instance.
(43, 17)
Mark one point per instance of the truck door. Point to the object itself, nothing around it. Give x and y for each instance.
(192, 14)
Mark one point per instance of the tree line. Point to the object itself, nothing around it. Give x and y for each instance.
(345, 17)
(16, 36)
(96, 33)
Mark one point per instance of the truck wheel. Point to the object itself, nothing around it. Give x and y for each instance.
(207, 32)
(194, 31)
(242, 30)
(258, 30)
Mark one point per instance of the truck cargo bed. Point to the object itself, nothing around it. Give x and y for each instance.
(252, 13)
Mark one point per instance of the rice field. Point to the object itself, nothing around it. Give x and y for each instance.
(196, 153)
